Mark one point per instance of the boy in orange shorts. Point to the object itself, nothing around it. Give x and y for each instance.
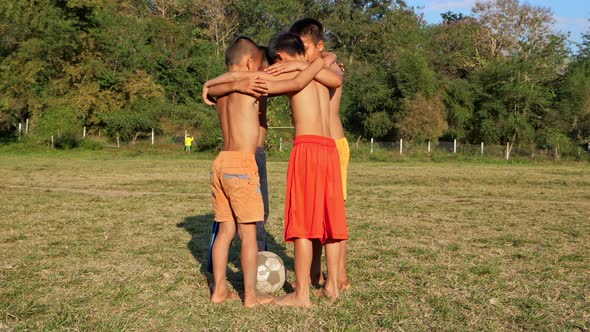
(234, 175)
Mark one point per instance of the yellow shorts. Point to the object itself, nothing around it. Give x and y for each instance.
(235, 186)
(344, 154)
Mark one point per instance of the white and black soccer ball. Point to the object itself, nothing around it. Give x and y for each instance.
(271, 272)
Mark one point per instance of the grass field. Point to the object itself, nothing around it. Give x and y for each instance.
(108, 242)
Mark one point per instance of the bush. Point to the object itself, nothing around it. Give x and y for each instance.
(63, 124)
(67, 141)
(129, 123)
(90, 144)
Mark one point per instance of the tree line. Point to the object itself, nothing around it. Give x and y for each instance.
(122, 67)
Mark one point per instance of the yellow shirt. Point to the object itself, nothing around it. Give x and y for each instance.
(188, 141)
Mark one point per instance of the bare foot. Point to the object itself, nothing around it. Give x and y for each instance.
(344, 284)
(250, 302)
(292, 300)
(320, 283)
(220, 295)
(323, 292)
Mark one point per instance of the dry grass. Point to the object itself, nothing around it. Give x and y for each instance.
(97, 241)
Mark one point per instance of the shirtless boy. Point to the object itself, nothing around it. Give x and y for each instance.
(312, 34)
(255, 88)
(234, 176)
(313, 180)
(313, 208)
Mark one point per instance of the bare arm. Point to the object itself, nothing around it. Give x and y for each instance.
(327, 77)
(276, 85)
(251, 86)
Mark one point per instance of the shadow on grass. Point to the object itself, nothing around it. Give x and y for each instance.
(200, 228)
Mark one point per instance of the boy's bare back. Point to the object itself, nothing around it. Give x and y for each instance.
(241, 116)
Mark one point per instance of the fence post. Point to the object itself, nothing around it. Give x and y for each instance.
(455, 145)
(280, 144)
(428, 146)
(20, 129)
(185, 134)
(507, 150)
(401, 146)
(153, 136)
(482, 148)
(118, 143)
(52, 142)
(359, 139)
(84, 132)
(371, 145)
(27, 126)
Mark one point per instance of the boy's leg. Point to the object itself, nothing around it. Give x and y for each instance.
(317, 278)
(261, 236)
(214, 232)
(226, 233)
(332, 262)
(344, 157)
(303, 256)
(343, 280)
(249, 258)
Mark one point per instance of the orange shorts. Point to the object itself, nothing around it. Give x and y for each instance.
(314, 203)
(235, 186)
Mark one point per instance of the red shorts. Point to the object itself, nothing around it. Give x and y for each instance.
(314, 203)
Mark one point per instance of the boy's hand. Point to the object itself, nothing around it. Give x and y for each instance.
(286, 67)
(205, 96)
(252, 86)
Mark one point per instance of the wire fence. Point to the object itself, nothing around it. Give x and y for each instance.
(371, 149)
(281, 142)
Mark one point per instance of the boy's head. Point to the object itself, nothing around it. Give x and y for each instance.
(285, 46)
(312, 34)
(265, 62)
(243, 53)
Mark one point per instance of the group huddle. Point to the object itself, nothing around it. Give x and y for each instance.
(294, 64)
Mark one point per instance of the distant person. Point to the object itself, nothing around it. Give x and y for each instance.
(188, 143)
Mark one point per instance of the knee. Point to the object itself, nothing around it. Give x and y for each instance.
(228, 231)
(247, 230)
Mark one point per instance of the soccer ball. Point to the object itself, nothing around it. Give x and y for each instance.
(271, 272)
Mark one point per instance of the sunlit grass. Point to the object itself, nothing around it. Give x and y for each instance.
(97, 241)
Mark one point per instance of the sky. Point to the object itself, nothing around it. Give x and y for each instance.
(570, 15)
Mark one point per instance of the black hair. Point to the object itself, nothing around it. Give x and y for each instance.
(309, 27)
(239, 47)
(287, 42)
(265, 58)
